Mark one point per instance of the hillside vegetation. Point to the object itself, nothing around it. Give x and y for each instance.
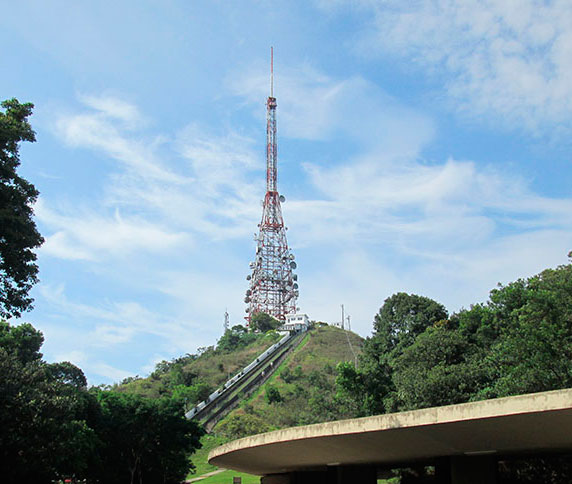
(193, 377)
(301, 391)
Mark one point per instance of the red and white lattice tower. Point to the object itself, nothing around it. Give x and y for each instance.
(273, 288)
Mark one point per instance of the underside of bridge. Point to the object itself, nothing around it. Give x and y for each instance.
(463, 443)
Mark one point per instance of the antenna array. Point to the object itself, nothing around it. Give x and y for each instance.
(273, 287)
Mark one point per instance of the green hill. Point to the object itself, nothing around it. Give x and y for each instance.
(301, 391)
(194, 377)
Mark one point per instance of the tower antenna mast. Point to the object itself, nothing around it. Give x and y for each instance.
(273, 288)
(271, 71)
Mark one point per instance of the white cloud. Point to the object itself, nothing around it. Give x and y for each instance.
(509, 60)
(76, 357)
(101, 131)
(314, 106)
(114, 107)
(109, 372)
(114, 323)
(91, 236)
(442, 207)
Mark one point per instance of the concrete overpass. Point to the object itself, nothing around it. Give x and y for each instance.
(463, 441)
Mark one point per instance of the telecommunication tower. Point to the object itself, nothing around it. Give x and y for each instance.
(273, 288)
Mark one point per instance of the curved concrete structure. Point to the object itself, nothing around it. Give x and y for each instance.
(527, 423)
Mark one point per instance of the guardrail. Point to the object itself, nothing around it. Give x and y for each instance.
(211, 401)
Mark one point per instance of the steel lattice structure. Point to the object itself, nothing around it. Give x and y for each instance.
(273, 288)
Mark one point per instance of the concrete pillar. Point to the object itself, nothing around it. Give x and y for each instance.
(466, 470)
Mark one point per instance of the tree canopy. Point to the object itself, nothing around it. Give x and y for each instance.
(18, 232)
(520, 341)
(263, 322)
(52, 427)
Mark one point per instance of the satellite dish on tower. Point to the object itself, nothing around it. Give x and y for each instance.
(282, 198)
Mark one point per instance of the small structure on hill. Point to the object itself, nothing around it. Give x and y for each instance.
(296, 322)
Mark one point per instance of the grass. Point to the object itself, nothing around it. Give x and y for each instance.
(273, 378)
(209, 366)
(200, 457)
(315, 357)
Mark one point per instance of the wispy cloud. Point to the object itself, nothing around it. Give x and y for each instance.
(314, 106)
(89, 235)
(116, 322)
(507, 60)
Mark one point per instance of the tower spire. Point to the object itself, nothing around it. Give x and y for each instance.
(273, 288)
(271, 71)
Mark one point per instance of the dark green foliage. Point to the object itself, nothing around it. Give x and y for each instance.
(235, 338)
(18, 233)
(263, 322)
(549, 469)
(519, 342)
(51, 427)
(273, 394)
(23, 341)
(43, 409)
(401, 319)
(189, 396)
(143, 440)
(440, 368)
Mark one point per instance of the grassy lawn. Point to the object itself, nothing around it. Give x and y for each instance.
(199, 458)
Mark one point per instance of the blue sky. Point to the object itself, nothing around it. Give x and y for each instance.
(423, 147)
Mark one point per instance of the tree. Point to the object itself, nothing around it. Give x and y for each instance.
(235, 338)
(23, 341)
(43, 409)
(263, 322)
(143, 440)
(401, 319)
(441, 367)
(273, 394)
(18, 232)
(534, 350)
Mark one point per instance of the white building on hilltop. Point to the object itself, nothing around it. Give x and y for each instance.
(296, 322)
